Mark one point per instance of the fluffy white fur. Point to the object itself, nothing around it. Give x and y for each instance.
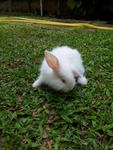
(70, 66)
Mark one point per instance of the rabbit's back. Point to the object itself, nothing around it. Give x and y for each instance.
(66, 53)
(69, 56)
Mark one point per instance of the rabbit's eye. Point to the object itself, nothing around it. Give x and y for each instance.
(63, 80)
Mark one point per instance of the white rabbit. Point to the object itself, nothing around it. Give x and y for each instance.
(61, 68)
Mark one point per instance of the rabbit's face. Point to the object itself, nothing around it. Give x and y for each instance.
(62, 77)
(64, 80)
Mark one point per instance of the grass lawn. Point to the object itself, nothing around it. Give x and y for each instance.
(44, 119)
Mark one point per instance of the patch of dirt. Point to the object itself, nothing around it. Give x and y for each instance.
(12, 64)
(99, 23)
(47, 141)
(95, 22)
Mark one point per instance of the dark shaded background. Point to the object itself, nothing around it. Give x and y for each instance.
(77, 9)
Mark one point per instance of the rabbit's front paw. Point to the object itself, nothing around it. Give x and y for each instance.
(82, 80)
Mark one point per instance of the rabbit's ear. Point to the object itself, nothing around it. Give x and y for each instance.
(52, 61)
(76, 73)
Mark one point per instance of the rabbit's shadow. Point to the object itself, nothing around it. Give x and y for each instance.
(49, 95)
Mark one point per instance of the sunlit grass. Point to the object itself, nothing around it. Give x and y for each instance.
(45, 119)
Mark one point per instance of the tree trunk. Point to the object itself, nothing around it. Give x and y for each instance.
(41, 8)
(10, 6)
(29, 5)
(58, 8)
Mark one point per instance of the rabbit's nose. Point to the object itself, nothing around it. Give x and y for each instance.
(70, 88)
